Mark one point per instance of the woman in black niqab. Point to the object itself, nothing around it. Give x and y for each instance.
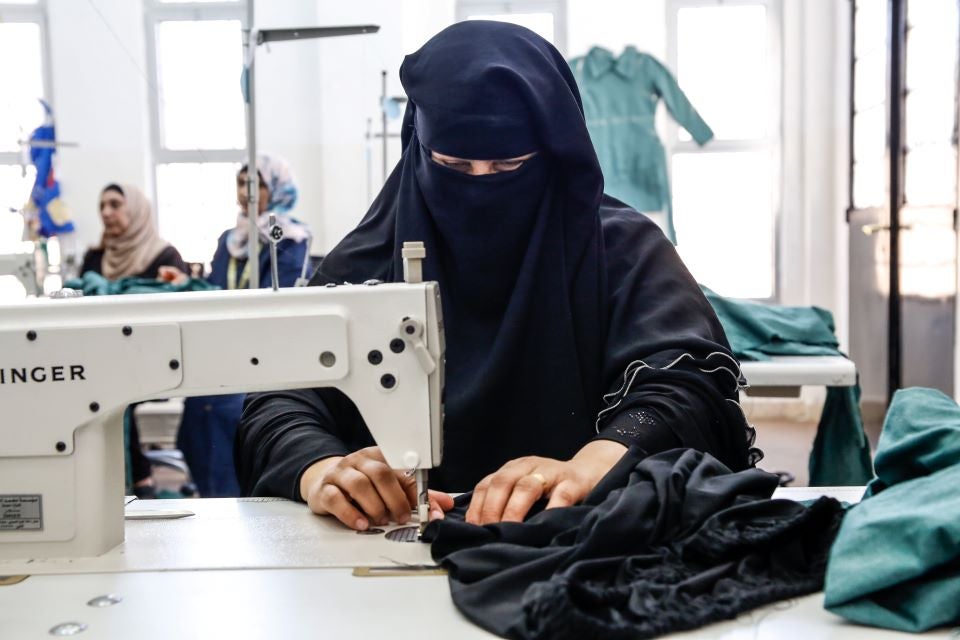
(573, 329)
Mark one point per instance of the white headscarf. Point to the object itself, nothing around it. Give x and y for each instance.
(275, 174)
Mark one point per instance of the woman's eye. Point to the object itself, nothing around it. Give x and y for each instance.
(508, 166)
(459, 166)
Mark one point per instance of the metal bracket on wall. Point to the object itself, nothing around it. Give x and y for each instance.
(870, 229)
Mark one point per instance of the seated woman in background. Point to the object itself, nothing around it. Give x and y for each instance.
(229, 268)
(210, 422)
(131, 246)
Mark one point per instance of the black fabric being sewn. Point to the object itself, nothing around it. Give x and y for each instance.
(666, 543)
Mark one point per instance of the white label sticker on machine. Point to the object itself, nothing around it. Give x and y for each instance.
(21, 512)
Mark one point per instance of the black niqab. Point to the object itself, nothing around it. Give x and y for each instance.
(517, 254)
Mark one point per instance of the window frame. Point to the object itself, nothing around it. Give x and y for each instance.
(558, 8)
(156, 12)
(884, 105)
(895, 204)
(37, 14)
(952, 141)
(772, 144)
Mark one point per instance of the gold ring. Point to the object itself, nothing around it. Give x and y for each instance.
(539, 476)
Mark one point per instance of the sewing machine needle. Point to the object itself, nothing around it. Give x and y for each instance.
(423, 499)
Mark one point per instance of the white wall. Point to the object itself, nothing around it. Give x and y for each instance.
(350, 71)
(422, 19)
(813, 234)
(98, 64)
(812, 238)
(288, 94)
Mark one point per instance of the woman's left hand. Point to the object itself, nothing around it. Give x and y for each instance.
(172, 275)
(508, 494)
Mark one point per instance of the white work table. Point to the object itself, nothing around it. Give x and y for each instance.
(270, 569)
(784, 375)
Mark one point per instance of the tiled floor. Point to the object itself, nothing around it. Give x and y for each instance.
(786, 445)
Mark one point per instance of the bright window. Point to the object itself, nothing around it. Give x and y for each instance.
(725, 195)
(22, 32)
(195, 199)
(539, 23)
(196, 56)
(722, 66)
(198, 64)
(927, 241)
(930, 107)
(928, 250)
(547, 18)
(731, 192)
(20, 111)
(870, 164)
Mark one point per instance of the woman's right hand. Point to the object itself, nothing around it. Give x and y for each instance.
(171, 275)
(361, 489)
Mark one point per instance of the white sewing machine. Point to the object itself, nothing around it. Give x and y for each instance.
(23, 266)
(69, 368)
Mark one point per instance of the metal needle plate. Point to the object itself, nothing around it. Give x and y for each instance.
(404, 534)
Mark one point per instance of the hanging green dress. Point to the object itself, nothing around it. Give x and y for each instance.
(620, 97)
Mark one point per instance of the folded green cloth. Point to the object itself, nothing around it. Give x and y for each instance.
(896, 561)
(756, 331)
(94, 284)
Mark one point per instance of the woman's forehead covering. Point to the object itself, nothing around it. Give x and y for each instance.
(473, 87)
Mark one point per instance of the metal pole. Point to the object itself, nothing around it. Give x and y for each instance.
(251, 39)
(853, 107)
(253, 177)
(275, 234)
(383, 120)
(368, 156)
(898, 38)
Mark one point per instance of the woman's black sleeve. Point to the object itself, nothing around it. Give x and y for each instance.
(659, 415)
(168, 257)
(281, 433)
(92, 261)
(670, 377)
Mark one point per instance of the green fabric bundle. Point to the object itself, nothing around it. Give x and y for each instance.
(94, 284)
(841, 452)
(896, 561)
